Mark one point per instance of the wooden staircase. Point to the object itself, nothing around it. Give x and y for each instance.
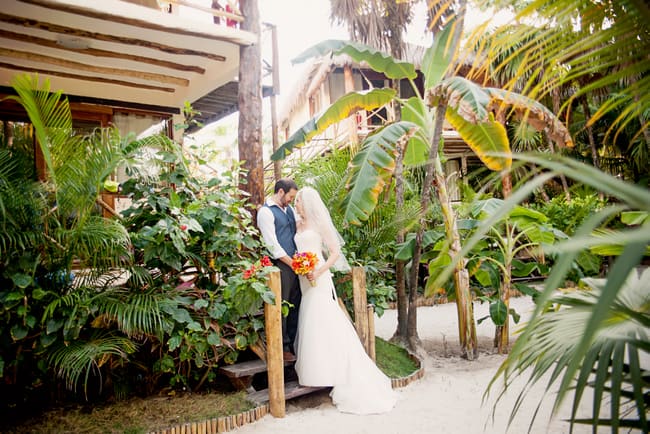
(241, 377)
(291, 390)
(282, 387)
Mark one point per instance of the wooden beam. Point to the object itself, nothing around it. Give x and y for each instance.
(115, 18)
(100, 53)
(274, 361)
(72, 32)
(86, 78)
(149, 76)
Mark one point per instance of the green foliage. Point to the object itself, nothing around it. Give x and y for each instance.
(49, 227)
(199, 238)
(567, 363)
(567, 216)
(612, 364)
(160, 295)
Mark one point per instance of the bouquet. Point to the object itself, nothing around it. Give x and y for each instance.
(304, 262)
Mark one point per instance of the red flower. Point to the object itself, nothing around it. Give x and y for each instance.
(183, 227)
(249, 273)
(265, 261)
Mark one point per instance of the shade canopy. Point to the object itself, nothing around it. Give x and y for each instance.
(120, 53)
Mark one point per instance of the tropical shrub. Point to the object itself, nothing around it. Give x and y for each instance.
(106, 311)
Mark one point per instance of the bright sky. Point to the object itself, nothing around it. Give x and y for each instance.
(303, 23)
(300, 24)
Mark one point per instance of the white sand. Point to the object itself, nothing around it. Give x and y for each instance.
(448, 399)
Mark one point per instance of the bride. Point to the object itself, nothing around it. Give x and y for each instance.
(328, 350)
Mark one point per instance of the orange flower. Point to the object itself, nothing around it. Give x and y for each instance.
(304, 262)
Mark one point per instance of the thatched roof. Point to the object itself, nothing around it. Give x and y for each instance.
(318, 70)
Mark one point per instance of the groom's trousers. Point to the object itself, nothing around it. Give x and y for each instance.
(291, 293)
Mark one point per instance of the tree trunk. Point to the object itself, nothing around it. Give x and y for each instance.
(590, 132)
(401, 334)
(502, 333)
(464, 304)
(555, 94)
(348, 83)
(542, 192)
(412, 338)
(250, 108)
(466, 323)
(277, 165)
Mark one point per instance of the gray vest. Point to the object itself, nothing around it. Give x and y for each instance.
(285, 228)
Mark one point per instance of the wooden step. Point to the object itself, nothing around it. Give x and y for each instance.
(243, 369)
(291, 390)
(241, 374)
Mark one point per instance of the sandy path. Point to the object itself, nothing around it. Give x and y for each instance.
(446, 400)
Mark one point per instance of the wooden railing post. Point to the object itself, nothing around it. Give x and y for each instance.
(371, 333)
(360, 305)
(274, 361)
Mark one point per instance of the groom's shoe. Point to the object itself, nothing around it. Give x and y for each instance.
(288, 356)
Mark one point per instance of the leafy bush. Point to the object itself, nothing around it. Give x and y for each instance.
(110, 307)
(567, 216)
(197, 239)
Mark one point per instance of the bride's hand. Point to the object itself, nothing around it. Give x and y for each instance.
(314, 275)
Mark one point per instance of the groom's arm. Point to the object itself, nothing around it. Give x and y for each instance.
(266, 225)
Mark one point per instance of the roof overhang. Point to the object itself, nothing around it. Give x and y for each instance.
(118, 52)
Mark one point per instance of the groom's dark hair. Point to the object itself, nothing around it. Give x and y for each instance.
(285, 184)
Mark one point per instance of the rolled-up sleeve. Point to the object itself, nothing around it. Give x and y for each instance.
(266, 225)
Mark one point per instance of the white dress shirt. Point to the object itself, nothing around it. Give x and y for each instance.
(266, 225)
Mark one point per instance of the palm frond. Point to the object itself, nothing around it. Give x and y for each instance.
(136, 313)
(601, 47)
(98, 242)
(623, 332)
(78, 360)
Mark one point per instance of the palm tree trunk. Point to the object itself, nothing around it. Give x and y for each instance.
(556, 109)
(250, 108)
(464, 306)
(502, 333)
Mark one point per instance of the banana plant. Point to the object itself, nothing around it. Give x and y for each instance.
(472, 109)
(523, 231)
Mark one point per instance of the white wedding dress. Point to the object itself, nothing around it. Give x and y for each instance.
(328, 349)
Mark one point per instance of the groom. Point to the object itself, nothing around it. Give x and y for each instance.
(277, 223)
